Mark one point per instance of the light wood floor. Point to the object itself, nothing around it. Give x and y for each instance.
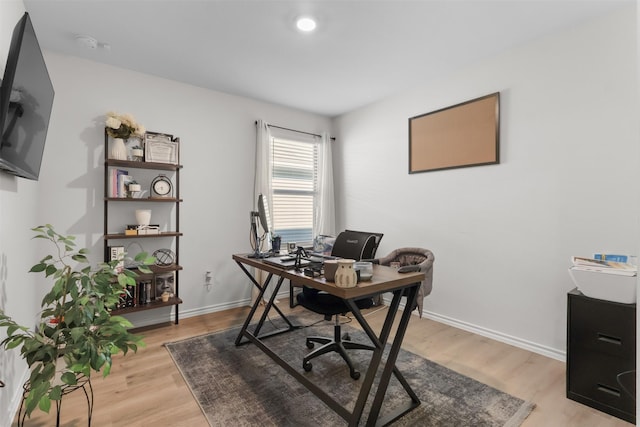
(146, 389)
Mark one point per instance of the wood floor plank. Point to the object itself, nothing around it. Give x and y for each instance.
(146, 389)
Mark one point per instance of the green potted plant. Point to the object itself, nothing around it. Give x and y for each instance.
(75, 325)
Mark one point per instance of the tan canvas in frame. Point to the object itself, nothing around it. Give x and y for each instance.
(466, 134)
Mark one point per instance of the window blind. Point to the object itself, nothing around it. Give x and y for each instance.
(294, 186)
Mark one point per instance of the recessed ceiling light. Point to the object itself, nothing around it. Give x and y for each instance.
(306, 24)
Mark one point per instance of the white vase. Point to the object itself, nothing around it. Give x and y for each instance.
(143, 216)
(118, 149)
(346, 276)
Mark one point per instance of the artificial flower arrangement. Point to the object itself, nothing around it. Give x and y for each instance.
(123, 126)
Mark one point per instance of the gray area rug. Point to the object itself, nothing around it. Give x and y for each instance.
(241, 386)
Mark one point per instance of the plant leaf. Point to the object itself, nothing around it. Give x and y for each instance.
(69, 378)
(51, 269)
(55, 393)
(79, 258)
(38, 268)
(44, 404)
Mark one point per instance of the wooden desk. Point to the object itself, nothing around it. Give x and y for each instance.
(385, 279)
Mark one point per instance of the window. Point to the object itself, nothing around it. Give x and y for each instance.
(295, 188)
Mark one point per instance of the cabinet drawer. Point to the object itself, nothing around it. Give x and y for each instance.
(597, 381)
(601, 326)
(587, 372)
(620, 346)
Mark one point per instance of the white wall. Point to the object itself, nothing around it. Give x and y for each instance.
(503, 234)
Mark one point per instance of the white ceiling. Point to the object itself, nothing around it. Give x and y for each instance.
(362, 51)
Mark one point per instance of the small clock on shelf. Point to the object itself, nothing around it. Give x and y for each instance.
(161, 186)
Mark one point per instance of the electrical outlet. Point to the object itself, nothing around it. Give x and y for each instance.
(208, 276)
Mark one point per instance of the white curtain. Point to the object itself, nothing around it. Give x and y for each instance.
(325, 218)
(263, 170)
(262, 185)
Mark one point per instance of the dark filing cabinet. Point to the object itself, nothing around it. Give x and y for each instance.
(601, 354)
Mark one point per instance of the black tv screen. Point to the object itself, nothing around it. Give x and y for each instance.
(26, 99)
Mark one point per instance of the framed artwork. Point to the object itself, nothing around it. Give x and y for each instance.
(462, 135)
(164, 283)
(160, 148)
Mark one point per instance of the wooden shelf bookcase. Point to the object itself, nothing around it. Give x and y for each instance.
(110, 238)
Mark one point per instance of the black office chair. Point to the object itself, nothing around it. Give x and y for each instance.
(349, 244)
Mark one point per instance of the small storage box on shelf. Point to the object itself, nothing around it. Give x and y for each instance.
(141, 299)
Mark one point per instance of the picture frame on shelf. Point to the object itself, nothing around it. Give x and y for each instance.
(165, 283)
(160, 148)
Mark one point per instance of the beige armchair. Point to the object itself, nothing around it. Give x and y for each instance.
(412, 259)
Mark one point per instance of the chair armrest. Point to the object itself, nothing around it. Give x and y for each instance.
(408, 268)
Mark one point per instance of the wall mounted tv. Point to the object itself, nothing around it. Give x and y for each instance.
(26, 99)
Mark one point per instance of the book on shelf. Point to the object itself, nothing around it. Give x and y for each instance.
(131, 298)
(604, 266)
(118, 182)
(128, 298)
(123, 185)
(613, 257)
(144, 292)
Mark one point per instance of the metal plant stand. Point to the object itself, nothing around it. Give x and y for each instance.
(82, 383)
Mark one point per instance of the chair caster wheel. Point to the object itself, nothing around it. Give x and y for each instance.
(310, 345)
(355, 375)
(307, 366)
(346, 337)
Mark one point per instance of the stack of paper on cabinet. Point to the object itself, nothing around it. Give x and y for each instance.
(603, 266)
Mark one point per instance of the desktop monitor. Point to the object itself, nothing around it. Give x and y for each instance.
(259, 218)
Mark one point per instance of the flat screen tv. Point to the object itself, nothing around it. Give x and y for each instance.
(26, 99)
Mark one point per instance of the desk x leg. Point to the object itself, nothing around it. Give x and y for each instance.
(270, 304)
(389, 367)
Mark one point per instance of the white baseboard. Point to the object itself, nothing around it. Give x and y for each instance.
(494, 335)
(15, 401)
(284, 296)
(498, 336)
(184, 314)
(214, 308)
